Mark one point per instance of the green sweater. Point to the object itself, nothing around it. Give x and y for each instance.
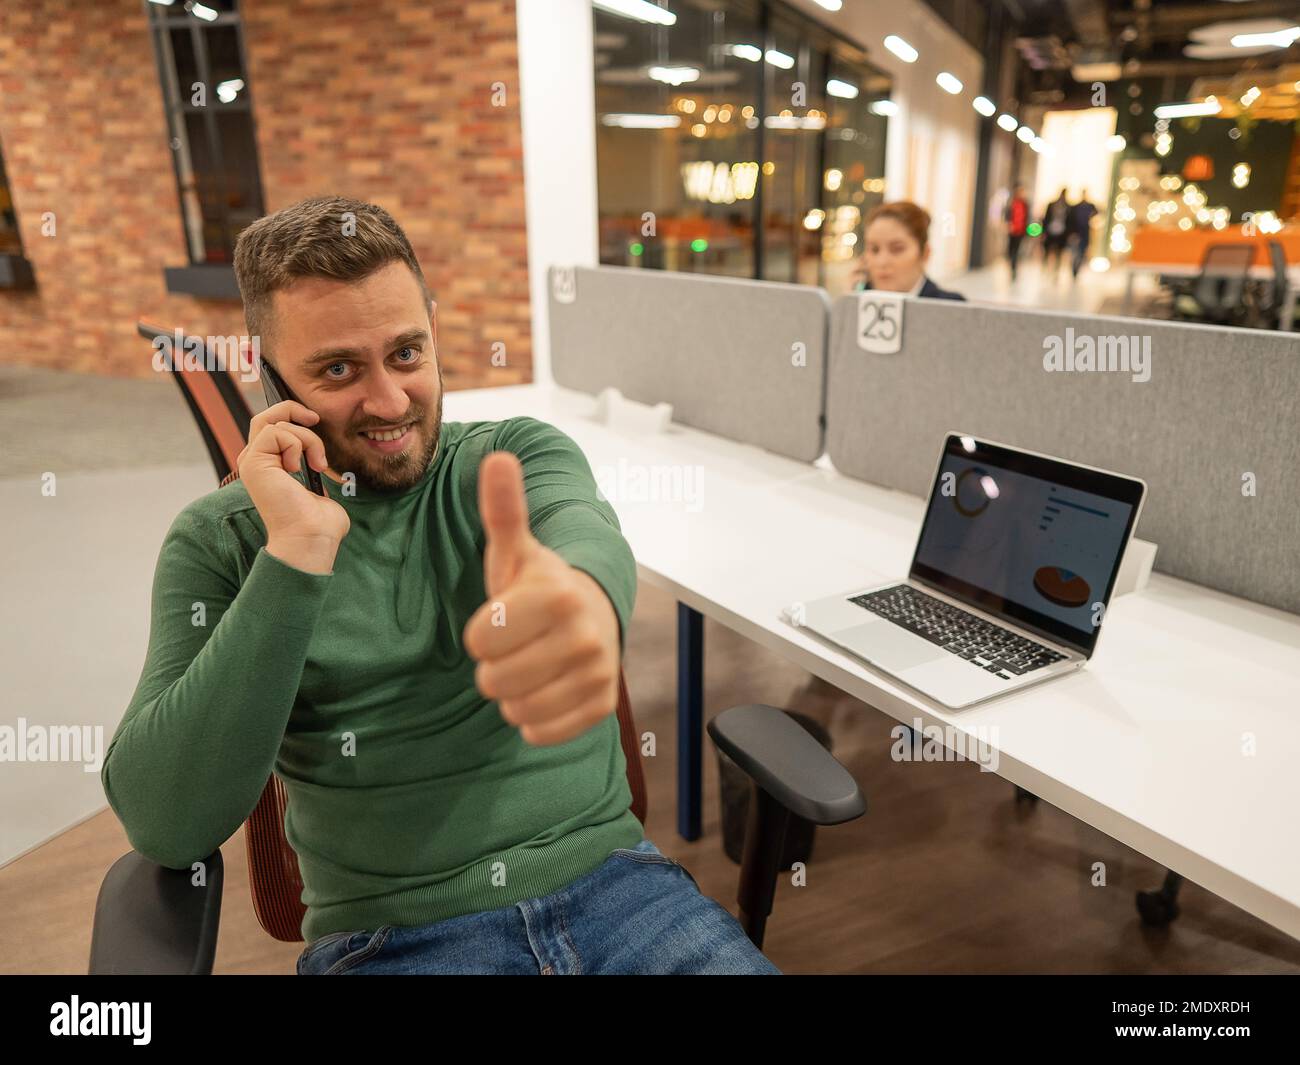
(411, 800)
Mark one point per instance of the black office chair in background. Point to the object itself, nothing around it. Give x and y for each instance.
(152, 919)
(1218, 293)
(1271, 305)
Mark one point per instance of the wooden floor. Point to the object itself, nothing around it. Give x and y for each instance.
(944, 874)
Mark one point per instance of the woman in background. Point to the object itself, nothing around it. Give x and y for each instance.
(893, 259)
(896, 250)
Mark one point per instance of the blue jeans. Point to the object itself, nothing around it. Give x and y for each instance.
(638, 913)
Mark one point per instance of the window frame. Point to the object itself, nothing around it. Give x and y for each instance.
(162, 21)
(15, 270)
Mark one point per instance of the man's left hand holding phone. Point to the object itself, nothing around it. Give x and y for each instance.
(303, 527)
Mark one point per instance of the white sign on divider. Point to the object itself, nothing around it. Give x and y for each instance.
(880, 321)
(564, 284)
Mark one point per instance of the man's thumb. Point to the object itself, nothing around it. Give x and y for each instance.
(504, 512)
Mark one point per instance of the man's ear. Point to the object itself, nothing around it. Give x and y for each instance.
(925, 253)
(433, 321)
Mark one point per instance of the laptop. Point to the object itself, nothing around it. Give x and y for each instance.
(1010, 581)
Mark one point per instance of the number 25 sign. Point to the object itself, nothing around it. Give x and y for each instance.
(880, 322)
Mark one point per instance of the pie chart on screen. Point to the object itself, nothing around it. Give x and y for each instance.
(1060, 586)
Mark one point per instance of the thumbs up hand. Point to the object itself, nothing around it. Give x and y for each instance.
(547, 639)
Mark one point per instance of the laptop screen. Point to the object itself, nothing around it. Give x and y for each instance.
(1031, 539)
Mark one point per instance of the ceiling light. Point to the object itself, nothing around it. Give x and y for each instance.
(1117, 143)
(984, 106)
(641, 10)
(948, 83)
(1189, 110)
(1025, 134)
(841, 89)
(793, 122)
(901, 48)
(744, 51)
(634, 121)
(674, 75)
(1277, 39)
(1007, 122)
(884, 107)
(779, 59)
(1101, 70)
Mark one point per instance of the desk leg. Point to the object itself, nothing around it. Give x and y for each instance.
(1128, 294)
(690, 719)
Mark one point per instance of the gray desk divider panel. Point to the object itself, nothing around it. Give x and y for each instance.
(1219, 404)
(724, 352)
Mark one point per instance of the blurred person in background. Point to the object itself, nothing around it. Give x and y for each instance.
(1056, 231)
(1017, 219)
(895, 252)
(1079, 231)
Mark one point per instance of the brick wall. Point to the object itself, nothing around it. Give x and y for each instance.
(389, 101)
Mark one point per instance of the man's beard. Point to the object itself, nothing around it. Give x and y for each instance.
(387, 473)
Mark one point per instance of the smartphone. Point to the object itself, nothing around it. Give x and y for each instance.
(277, 392)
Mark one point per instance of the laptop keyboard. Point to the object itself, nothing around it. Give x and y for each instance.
(981, 643)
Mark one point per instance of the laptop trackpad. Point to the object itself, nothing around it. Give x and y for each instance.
(887, 645)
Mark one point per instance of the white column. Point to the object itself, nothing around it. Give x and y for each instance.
(558, 114)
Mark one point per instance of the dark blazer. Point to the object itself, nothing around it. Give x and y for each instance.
(934, 292)
(930, 291)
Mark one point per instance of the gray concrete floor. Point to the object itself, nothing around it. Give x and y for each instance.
(1036, 288)
(95, 470)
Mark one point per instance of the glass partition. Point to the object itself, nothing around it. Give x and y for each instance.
(734, 137)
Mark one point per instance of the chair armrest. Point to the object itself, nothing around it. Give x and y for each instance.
(151, 919)
(788, 763)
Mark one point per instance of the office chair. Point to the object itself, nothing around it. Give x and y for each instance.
(1272, 306)
(1217, 294)
(219, 408)
(151, 919)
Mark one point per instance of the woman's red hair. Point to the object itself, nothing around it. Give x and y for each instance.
(916, 220)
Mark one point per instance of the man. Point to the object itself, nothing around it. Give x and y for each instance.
(1017, 219)
(428, 656)
(1080, 230)
(1056, 224)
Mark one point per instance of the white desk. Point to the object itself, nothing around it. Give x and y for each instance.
(1145, 743)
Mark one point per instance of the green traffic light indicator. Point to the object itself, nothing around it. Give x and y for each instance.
(1033, 229)
(699, 244)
